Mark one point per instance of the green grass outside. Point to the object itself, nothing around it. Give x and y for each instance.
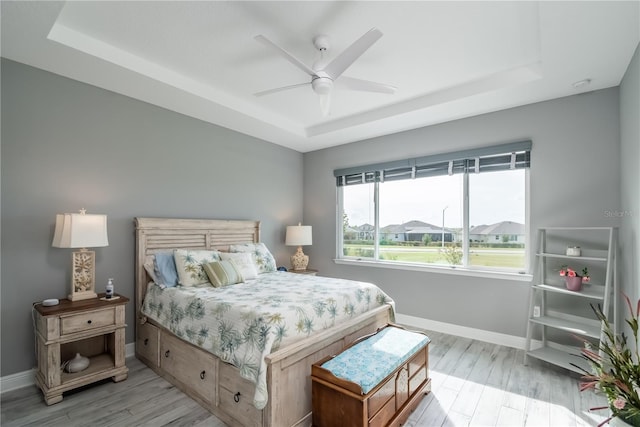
(510, 258)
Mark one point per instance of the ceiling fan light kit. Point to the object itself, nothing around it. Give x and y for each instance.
(322, 85)
(324, 74)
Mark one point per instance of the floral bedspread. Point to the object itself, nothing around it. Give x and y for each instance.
(243, 323)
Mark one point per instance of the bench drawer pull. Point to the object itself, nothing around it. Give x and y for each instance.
(236, 397)
(202, 375)
(166, 353)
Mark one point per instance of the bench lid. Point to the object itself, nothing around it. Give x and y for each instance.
(369, 362)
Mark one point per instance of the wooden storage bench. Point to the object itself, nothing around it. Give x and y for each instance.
(377, 381)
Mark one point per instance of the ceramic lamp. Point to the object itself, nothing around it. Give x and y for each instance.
(81, 231)
(299, 235)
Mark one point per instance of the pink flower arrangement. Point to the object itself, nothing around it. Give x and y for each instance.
(569, 272)
(614, 367)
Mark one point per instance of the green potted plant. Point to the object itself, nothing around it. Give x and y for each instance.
(616, 373)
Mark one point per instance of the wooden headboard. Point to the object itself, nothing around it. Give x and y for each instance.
(161, 234)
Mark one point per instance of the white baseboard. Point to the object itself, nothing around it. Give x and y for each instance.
(18, 380)
(27, 378)
(463, 331)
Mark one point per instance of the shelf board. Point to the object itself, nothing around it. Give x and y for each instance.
(97, 364)
(579, 328)
(588, 291)
(562, 358)
(560, 256)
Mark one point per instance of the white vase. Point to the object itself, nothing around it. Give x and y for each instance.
(77, 364)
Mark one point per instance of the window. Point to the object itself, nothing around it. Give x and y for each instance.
(358, 221)
(464, 210)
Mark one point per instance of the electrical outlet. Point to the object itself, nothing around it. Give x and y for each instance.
(536, 311)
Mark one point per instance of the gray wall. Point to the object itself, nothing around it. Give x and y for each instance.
(574, 179)
(68, 145)
(630, 179)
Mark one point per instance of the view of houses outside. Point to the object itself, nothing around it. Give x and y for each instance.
(496, 245)
(433, 231)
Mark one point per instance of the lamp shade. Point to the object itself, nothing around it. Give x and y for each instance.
(80, 231)
(298, 235)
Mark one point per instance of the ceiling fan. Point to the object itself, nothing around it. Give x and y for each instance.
(324, 75)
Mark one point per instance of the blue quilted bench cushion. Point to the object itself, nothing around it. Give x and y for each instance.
(370, 361)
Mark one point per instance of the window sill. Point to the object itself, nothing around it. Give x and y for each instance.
(457, 271)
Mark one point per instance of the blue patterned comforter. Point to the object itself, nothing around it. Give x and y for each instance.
(243, 323)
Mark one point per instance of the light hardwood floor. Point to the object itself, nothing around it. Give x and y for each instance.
(474, 384)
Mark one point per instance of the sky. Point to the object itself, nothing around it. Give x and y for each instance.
(494, 197)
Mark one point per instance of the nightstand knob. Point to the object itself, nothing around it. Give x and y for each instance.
(146, 341)
(166, 353)
(236, 397)
(202, 375)
(89, 321)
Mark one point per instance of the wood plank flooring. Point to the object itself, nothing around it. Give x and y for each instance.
(474, 384)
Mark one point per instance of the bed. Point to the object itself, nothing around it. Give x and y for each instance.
(184, 357)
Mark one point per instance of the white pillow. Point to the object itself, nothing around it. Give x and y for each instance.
(244, 262)
(189, 265)
(262, 258)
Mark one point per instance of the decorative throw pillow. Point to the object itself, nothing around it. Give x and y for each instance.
(262, 258)
(244, 263)
(222, 273)
(165, 269)
(149, 266)
(189, 265)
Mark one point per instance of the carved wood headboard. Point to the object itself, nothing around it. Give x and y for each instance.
(162, 234)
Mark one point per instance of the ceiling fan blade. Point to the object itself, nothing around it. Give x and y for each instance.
(289, 57)
(280, 89)
(343, 61)
(364, 85)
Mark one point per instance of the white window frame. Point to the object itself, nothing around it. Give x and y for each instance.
(464, 269)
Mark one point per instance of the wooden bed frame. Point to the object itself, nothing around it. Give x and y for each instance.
(214, 384)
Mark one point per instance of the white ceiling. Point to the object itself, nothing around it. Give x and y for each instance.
(449, 60)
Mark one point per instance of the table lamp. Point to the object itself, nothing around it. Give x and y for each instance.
(81, 231)
(299, 235)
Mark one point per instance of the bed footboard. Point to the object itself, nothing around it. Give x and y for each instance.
(220, 389)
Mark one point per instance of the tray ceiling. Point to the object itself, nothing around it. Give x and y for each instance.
(448, 60)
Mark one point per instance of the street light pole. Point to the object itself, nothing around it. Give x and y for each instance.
(445, 208)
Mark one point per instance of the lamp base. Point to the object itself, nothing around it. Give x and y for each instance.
(299, 260)
(83, 267)
(78, 296)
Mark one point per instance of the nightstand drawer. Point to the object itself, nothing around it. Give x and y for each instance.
(87, 321)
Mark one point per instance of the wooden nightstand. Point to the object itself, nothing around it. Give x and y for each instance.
(94, 328)
(309, 271)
